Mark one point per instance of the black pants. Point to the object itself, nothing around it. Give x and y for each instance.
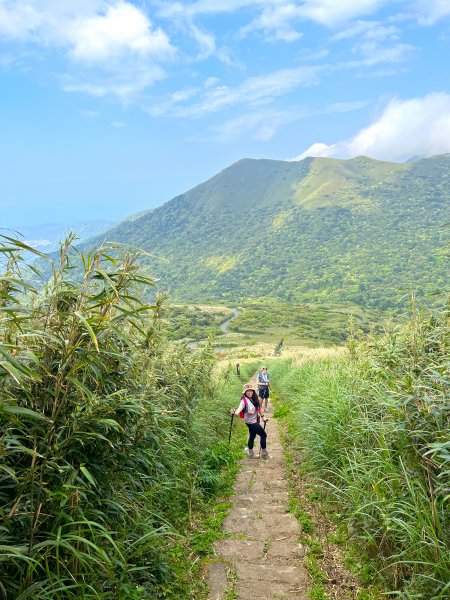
(254, 430)
(263, 392)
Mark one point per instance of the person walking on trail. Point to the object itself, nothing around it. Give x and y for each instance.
(263, 380)
(250, 408)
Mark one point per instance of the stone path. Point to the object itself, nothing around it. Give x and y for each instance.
(260, 559)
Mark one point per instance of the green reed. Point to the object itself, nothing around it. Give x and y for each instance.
(374, 429)
(104, 444)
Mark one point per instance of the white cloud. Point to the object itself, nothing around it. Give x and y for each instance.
(122, 29)
(376, 44)
(113, 46)
(254, 91)
(90, 114)
(118, 124)
(277, 22)
(210, 81)
(277, 18)
(18, 20)
(381, 44)
(263, 124)
(429, 12)
(418, 126)
(205, 40)
(326, 12)
(125, 83)
(335, 12)
(356, 28)
(175, 9)
(343, 107)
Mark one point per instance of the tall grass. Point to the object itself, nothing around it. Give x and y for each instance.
(374, 427)
(105, 443)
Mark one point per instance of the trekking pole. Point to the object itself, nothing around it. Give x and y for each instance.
(265, 423)
(231, 427)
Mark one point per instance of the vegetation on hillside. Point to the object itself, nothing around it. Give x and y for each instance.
(310, 324)
(106, 449)
(320, 230)
(193, 322)
(374, 429)
(268, 321)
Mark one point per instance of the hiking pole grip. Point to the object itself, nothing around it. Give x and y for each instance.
(231, 427)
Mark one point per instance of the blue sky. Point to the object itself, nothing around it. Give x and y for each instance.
(108, 107)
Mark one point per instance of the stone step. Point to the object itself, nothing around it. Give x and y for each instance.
(263, 551)
(290, 576)
(279, 497)
(274, 591)
(270, 526)
(286, 551)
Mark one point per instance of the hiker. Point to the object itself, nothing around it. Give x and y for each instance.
(263, 380)
(251, 410)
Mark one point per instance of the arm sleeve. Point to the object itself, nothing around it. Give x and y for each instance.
(241, 407)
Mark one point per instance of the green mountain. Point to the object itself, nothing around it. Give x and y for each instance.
(359, 230)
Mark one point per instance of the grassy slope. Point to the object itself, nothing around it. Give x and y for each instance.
(372, 431)
(267, 322)
(359, 231)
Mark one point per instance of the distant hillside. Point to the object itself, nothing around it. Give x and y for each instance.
(321, 229)
(46, 237)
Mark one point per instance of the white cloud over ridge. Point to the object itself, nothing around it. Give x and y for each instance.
(264, 123)
(406, 128)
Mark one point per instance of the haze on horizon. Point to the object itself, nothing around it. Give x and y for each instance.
(109, 107)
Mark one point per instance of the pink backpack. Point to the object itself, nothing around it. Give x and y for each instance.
(244, 410)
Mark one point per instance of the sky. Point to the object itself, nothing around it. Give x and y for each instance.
(109, 107)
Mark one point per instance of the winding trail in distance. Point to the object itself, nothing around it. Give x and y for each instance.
(223, 327)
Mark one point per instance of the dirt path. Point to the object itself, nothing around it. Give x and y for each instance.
(260, 558)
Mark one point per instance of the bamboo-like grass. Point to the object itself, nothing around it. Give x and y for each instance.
(373, 428)
(104, 444)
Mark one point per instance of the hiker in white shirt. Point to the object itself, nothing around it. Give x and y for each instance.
(263, 380)
(250, 408)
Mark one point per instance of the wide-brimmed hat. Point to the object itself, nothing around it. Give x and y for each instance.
(247, 387)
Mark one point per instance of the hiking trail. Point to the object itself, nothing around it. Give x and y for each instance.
(260, 557)
(224, 325)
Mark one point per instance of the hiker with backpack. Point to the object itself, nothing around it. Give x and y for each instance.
(263, 380)
(249, 409)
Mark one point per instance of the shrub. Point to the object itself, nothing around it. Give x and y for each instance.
(102, 439)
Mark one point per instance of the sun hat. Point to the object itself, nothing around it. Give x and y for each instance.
(247, 387)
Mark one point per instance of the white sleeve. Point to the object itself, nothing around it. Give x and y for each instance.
(241, 407)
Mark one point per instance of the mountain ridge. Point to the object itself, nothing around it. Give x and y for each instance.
(320, 229)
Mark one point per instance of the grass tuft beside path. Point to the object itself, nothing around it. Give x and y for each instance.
(370, 433)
